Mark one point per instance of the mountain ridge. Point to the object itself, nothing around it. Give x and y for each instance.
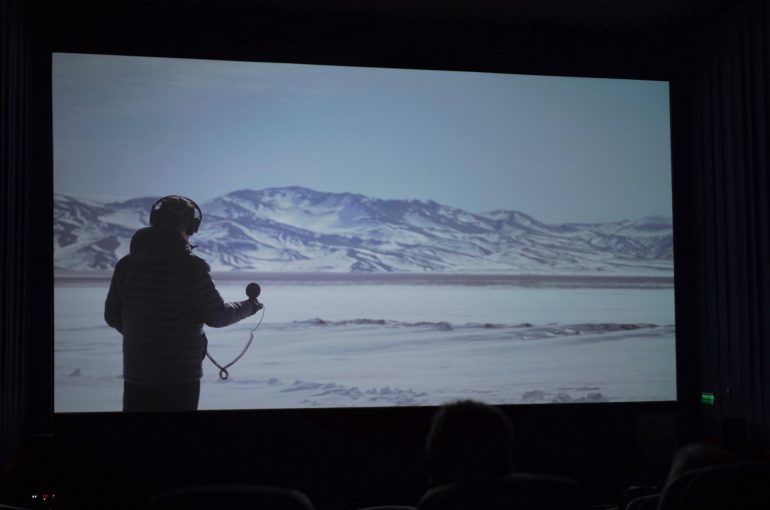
(297, 229)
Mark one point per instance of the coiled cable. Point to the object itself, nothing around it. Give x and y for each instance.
(223, 373)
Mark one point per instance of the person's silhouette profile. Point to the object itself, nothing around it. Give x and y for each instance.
(160, 297)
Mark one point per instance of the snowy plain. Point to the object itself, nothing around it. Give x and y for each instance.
(331, 342)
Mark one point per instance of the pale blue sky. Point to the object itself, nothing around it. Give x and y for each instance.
(560, 149)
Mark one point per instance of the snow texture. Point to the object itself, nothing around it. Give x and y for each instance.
(325, 343)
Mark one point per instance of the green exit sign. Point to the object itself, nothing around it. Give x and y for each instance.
(707, 399)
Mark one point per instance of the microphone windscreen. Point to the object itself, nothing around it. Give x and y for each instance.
(253, 290)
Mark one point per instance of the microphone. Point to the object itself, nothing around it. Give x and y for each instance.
(253, 290)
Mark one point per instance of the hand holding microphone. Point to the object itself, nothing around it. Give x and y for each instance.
(252, 291)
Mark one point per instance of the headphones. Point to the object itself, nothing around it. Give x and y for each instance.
(179, 210)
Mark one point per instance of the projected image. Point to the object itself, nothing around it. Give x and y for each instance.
(419, 236)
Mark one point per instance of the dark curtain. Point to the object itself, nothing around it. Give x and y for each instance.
(25, 229)
(13, 267)
(731, 184)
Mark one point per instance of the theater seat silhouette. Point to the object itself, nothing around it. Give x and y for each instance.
(648, 502)
(389, 507)
(514, 491)
(230, 497)
(739, 486)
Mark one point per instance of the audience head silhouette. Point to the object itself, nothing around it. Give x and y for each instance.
(468, 440)
(696, 456)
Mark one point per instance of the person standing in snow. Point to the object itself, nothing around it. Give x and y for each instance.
(160, 297)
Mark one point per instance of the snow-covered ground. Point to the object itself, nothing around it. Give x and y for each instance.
(327, 344)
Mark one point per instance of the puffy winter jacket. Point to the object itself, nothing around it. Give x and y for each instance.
(160, 297)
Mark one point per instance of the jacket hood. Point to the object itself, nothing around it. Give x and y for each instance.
(155, 243)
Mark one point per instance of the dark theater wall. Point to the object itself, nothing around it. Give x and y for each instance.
(13, 103)
(25, 240)
(716, 52)
(731, 83)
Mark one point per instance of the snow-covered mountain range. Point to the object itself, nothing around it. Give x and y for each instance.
(299, 229)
